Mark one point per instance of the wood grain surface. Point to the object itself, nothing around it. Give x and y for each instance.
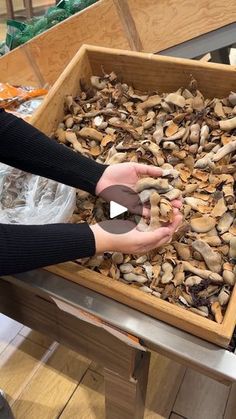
(88, 401)
(143, 71)
(163, 74)
(61, 373)
(99, 25)
(36, 337)
(128, 23)
(16, 68)
(18, 364)
(164, 23)
(147, 25)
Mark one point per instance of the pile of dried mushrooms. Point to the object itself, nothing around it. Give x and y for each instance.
(193, 140)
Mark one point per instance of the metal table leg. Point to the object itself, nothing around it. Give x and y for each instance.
(221, 56)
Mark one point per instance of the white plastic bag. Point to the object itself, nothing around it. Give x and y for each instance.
(30, 199)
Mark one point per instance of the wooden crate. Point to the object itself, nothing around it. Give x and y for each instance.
(142, 25)
(143, 71)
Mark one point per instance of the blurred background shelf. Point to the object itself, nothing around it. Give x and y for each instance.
(19, 6)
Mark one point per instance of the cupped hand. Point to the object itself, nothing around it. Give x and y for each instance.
(127, 175)
(134, 241)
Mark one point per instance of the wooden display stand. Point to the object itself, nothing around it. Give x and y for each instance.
(142, 25)
(144, 72)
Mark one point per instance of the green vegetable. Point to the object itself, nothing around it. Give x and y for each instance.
(20, 32)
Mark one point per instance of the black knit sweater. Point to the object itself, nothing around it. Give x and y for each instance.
(26, 247)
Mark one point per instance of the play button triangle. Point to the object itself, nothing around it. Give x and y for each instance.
(116, 209)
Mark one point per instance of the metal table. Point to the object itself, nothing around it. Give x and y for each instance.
(32, 299)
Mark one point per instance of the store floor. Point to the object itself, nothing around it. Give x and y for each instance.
(45, 380)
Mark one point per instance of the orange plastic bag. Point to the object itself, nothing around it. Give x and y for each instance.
(13, 96)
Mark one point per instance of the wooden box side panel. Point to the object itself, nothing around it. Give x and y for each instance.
(143, 71)
(162, 24)
(98, 25)
(155, 307)
(229, 321)
(16, 68)
(164, 74)
(134, 24)
(51, 112)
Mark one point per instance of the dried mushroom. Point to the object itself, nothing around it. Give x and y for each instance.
(193, 140)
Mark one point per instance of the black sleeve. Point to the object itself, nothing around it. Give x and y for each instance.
(26, 247)
(26, 148)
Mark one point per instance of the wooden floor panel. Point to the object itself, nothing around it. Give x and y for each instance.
(201, 397)
(36, 337)
(18, 363)
(52, 385)
(88, 401)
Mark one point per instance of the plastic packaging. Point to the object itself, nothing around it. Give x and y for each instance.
(30, 199)
(26, 109)
(12, 96)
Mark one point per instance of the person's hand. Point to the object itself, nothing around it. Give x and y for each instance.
(128, 174)
(134, 241)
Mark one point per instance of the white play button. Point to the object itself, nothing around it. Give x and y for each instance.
(116, 209)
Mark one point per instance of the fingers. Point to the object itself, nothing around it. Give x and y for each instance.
(163, 235)
(176, 203)
(177, 221)
(146, 212)
(158, 235)
(164, 241)
(143, 169)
